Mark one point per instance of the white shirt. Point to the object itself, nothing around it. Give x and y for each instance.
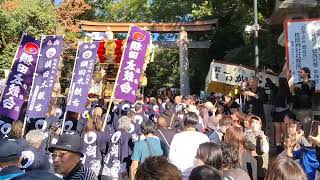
(183, 150)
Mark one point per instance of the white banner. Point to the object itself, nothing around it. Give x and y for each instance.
(302, 45)
(234, 75)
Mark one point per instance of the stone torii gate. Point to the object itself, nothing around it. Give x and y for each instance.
(182, 42)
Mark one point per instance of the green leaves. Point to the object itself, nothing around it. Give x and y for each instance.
(164, 71)
(127, 11)
(203, 10)
(36, 17)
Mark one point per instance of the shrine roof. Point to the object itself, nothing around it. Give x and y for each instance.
(282, 8)
(91, 26)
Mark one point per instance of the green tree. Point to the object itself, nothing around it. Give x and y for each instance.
(126, 11)
(69, 13)
(231, 43)
(164, 71)
(36, 17)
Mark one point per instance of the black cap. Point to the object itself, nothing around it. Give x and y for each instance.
(10, 150)
(68, 142)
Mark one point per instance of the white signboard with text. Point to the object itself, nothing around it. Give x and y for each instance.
(303, 47)
(234, 75)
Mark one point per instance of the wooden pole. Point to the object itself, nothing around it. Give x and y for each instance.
(34, 75)
(256, 34)
(115, 85)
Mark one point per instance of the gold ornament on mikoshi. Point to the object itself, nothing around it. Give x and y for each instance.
(108, 89)
(149, 56)
(144, 81)
(97, 77)
(110, 45)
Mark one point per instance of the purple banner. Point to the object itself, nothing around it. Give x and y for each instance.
(132, 64)
(50, 52)
(20, 78)
(82, 73)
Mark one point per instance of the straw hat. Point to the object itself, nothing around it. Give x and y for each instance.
(192, 108)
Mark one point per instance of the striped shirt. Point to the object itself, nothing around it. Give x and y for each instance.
(81, 172)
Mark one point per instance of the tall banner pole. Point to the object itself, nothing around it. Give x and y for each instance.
(115, 85)
(34, 75)
(70, 87)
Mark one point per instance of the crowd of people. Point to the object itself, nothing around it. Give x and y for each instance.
(171, 138)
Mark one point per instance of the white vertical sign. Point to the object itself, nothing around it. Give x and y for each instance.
(303, 48)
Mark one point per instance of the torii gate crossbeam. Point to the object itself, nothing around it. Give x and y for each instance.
(182, 43)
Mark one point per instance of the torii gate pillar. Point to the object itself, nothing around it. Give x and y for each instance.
(184, 62)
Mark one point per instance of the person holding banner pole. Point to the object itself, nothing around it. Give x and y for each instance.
(82, 74)
(34, 75)
(113, 90)
(12, 63)
(20, 78)
(131, 66)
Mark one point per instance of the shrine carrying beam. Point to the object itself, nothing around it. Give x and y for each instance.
(198, 26)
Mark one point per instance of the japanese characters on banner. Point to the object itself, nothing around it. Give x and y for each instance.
(234, 75)
(303, 48)
(132, 64)
(85, 60)
(50, 52)
(20, 78)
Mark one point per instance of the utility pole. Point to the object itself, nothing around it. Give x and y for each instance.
(256, 28)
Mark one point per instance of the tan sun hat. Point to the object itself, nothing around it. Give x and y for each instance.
(192, 108)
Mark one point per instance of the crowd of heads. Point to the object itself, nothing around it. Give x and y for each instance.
(169, 137)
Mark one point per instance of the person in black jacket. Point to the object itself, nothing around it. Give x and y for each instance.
(255, 96)
(280, 99)
(302, 105)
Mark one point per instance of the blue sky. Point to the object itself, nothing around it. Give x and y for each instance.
(58, 1)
